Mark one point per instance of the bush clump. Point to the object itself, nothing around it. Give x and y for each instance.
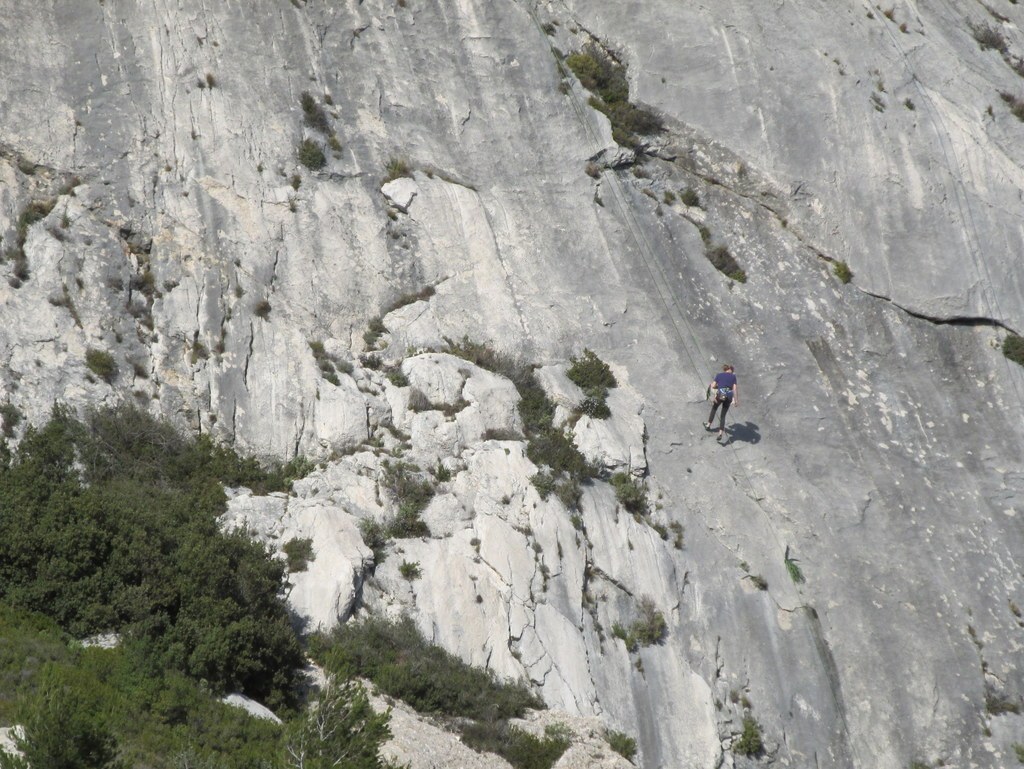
(110, 525)
(604, 77)
(521, 749)
(311, 155)
(402, 664)
(1013, 348)
(749, 743)
(314, 114)
(396, 168)
(298, 553)
(630, 494)
(726, 263)
(621, 743)
(647, 629)
(101, 363)
(595, 378)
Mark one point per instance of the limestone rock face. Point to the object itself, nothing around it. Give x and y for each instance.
(154, 207)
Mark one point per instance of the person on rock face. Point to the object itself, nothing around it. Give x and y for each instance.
(727, 392)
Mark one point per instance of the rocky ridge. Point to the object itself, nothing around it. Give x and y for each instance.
(158, 212)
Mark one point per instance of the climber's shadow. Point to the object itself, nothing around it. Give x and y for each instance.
(746, 432)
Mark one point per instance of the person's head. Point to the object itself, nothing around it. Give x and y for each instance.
(727, 367)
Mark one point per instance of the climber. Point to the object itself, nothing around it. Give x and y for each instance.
(727, 392)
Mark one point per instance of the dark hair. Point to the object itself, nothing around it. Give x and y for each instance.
(727, 367)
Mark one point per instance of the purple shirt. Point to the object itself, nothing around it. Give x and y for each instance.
(725, 379)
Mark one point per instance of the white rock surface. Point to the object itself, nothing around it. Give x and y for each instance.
(250, 706)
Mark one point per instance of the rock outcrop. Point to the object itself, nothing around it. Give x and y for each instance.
(850, 572)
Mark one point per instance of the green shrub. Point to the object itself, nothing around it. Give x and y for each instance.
(397, 378)
(689, 197)
(606, 79)
(410, 570)
(101, 363)
(591, 373)
(298, 553)
(726, 264)
(11, 417)
(1013, 348)
(647, 629)
(521, 749)
(373, 333)
(1018, 748)
(621, 743)
(311, 155)
(410, 492)
(842, 271)
(750, 742)
(314, 114)
(630, 494)
(402, 664)
(262, 309)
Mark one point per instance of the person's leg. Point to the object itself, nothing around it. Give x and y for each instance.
(714, 408)
(725, 410)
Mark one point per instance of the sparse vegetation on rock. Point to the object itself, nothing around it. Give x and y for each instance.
(750, 742)
(311, 155)
(647, 629)
(402, 664)
(101, 363)
(1013, 348)
(595, 378)
(605, 78)
(726, 263)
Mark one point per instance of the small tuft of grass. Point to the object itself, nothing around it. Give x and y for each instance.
(795, 573)
(842, 271)
(1013, 348)
(396, 168)
(262, 309)
(1019, 750)
(689, 197)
